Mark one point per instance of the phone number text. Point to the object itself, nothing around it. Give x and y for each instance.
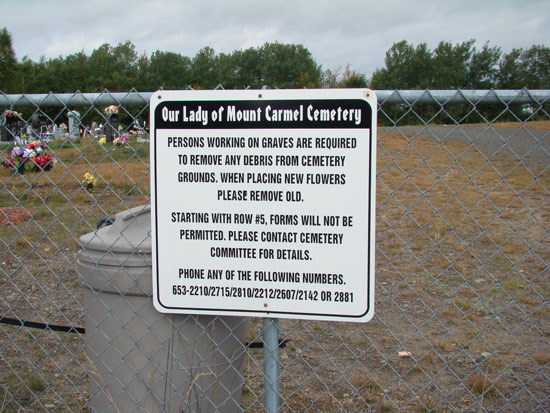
(263, 293)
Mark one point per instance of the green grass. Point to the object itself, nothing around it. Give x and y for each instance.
(35, 383)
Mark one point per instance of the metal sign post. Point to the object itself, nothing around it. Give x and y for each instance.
(271, 364)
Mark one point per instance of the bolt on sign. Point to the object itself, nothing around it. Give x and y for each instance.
(263, 203)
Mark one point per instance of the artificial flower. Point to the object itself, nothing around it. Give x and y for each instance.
(9, 113)
(35, 151)
(111, 110)
(89, 181)
(43, 162)
(121, 140)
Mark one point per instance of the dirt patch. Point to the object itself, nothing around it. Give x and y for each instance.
(10, 216)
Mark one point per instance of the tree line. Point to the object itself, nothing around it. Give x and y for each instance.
(463, 66)
(121, 68)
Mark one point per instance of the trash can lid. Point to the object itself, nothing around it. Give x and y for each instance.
(129, 236)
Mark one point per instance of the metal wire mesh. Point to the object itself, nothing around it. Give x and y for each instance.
(462, 291)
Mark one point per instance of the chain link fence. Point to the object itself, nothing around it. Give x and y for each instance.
(462, 273)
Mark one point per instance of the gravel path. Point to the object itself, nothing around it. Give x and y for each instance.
(530, 145)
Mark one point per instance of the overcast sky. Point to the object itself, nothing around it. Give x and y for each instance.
(358, 32)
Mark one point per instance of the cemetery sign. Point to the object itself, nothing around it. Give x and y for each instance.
(263, 203)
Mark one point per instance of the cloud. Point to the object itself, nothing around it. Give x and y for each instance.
(358, 32)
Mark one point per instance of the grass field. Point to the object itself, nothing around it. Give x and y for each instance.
(462, 257)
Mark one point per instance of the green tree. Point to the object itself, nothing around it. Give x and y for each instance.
(203, 69)
(8, 62)
(448, 66)
(126, 59)
(528, 68)
(287, 66)
(101, 66)
(407, 67)
(510, 71)
(273, 64)
(463, 66)
(347, 78)
(76, 72)
(50, 76)
(113, 68)
(27, 76)
(167, 70)
(483, 67)
(246, 68)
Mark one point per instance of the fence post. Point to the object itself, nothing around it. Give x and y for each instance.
(271, 364)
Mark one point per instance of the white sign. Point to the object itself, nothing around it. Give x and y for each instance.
(263, 203)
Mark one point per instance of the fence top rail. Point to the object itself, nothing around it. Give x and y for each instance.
(457, 96)
(76, 99)
(385, 97)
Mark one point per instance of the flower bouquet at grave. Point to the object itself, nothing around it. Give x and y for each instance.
(111, 110)
(10, 118)
(9, 114)
(121, 140)
(89, 181)
(32, 157)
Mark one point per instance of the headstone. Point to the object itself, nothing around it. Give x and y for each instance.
(58, 132)
(46, 133)
(74, 124)
(35, 126)
(38, 126)
(11, 125)
(111, 127)
(93, 128)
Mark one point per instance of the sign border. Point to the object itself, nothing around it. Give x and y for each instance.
(270, 95)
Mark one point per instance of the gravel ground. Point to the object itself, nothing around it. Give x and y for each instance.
(531, 146)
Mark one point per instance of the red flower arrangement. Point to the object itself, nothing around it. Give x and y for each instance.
(32, 157)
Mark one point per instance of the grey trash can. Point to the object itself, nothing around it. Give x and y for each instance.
(143, 360)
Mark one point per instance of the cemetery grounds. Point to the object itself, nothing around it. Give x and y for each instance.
(462, 263)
